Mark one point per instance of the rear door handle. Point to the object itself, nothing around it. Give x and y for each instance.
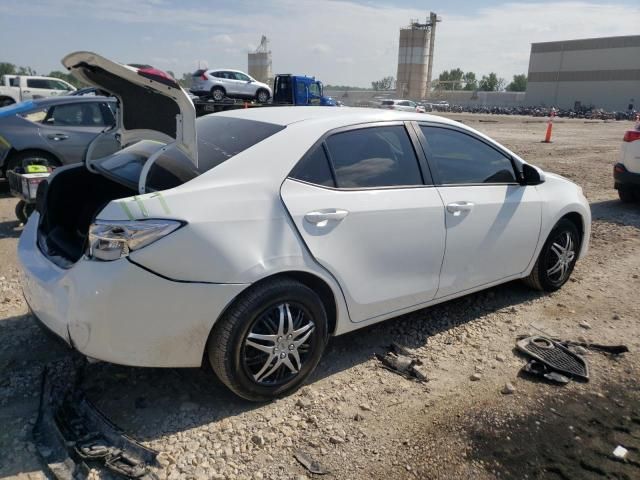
(322, 217)
(57, 136)
(457, 208)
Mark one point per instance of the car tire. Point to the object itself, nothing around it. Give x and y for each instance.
(6, 101)
(218, 94)
(557, 258)
(21, 213)
(262, 96)
(627, 195)
(28, 157)
(251, 348)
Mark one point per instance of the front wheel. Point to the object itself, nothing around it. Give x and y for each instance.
(557, 258)
(269, 340)
(262, 96)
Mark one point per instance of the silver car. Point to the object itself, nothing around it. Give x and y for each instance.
(229, 83)
(56, 130)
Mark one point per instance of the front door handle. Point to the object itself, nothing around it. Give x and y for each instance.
(322, 217)
(56, 137)
(457, 208)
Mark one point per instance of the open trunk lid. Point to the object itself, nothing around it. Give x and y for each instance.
(152, 104)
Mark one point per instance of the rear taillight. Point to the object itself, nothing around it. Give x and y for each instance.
(619, 168)
(631, 136)
(204, 76)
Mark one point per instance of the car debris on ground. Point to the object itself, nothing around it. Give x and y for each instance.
(401, 361)
(72, 436)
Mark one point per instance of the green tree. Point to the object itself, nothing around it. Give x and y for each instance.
(519, 83)
(489, 83)
(7, 68)
(385, 83)
(67, 77)
(470, 81)
(26, 71)
(185, 81)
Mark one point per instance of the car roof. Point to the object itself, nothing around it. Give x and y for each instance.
(46, 102)
(336, 117)
(224, 70)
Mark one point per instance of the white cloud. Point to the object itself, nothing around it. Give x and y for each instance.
(222, 39)
(321, 48)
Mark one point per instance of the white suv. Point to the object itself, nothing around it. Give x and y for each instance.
(402, 105)
(229, 83)
(626, 173)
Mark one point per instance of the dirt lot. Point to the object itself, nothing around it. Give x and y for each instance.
(363, 422)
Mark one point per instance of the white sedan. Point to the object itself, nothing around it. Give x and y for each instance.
(250, 237)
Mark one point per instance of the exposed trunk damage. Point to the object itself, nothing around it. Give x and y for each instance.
(68, 205)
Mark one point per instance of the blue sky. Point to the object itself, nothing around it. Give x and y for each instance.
(341, 42)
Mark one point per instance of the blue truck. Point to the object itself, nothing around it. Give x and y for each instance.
(288, 89)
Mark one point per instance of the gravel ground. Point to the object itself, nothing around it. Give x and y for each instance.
(363, 422)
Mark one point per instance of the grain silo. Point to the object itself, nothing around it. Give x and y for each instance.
(415, 58)
(260, 62)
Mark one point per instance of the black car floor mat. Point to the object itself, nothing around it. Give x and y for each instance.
(555, 356)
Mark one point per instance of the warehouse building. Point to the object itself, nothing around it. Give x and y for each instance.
(592, 72)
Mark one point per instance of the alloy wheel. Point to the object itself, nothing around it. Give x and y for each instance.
(562, 254)
(278, 344)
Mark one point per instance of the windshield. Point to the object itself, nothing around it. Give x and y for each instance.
(219, 139)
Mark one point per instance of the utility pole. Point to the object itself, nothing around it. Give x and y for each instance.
(433, 20)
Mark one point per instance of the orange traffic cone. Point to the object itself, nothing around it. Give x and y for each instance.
(547, 137)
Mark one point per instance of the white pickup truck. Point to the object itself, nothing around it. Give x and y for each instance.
(16, 88)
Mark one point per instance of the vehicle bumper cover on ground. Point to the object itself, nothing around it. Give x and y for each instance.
(119, 312)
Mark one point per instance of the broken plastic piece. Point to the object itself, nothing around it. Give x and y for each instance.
(309, 463)
(555, 356)
(620, 452)
(539, 369)
(71, 435)
(400, 360)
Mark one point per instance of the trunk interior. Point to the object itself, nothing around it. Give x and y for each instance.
(67, 206)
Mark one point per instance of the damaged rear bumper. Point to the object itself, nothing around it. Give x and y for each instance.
(118, 312)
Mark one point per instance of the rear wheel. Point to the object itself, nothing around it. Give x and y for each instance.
(557, 258)
(32, 157)
(217, 93)
(6, 101)
(269, 340)
(627, 194)
(23, 211)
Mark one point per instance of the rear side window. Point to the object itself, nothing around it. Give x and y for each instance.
(76, 115)
(387, 102)
(462, 159)
(314, 168)
(38, 83)
(374, 157)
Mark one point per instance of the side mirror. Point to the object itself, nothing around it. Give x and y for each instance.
(531, 175)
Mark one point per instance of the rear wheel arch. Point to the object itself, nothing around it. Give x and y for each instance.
(314, 282)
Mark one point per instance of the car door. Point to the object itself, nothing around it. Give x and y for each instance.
(232, 84)
(36, 88)
(492, 222)
(245, 86)
(363, 202)
(69, 128)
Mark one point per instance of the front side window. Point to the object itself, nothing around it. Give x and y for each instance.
(459, 158)
(58, 85)
(374, 157)
(314, 89)
(241, 76)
